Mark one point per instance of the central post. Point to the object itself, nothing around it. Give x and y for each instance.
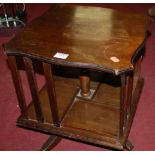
(85, 82)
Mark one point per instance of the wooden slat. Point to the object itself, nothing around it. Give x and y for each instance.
(18, 85)
(129, 96)
(126, 99)
(122, 103)
(51, 92)
(33, 89)
(134, 101)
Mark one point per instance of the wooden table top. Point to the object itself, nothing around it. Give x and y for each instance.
(94, 37)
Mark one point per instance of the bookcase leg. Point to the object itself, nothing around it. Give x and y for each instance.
(50, 143)
(129, 145)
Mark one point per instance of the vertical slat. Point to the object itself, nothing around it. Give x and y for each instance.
(126, 99)
(122, 103)
(18, 85)
(137, 71)
(139, 67)
(129, 98)
(33, 89)
(51, 92)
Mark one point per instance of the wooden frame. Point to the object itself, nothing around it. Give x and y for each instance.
(93, 111)
(128, 103)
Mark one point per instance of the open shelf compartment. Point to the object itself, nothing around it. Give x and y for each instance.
(99, 115)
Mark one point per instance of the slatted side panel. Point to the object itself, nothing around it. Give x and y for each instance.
(30, 72)
(33, 88)
(18, 85)
(51, 92)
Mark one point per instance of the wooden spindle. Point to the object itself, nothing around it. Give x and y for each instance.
(85, 83)
(33, 89)
(18, 85)
(51, 92)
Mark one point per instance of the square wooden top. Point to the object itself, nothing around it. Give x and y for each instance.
(93, 37)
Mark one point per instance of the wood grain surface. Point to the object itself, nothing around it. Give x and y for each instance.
(94, 37)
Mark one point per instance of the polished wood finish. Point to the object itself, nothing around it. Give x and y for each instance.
(134, 104)
(85, 83)
(51, 92)
(122, 104)
(129, 94)
(91, 38)
(18, 85)
(33, 89)
(105, 50)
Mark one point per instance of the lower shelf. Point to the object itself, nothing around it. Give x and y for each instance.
(65, 91)
(92, 117)
(93, 120)
(99, 115)
(96, 118)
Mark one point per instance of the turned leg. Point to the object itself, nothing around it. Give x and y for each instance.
(85, 83)
(50, 143)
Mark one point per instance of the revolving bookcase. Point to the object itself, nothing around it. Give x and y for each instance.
(90, 58)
